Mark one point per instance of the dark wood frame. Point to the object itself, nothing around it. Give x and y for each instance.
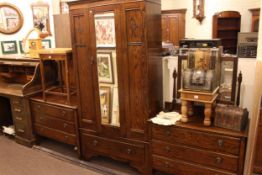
(21, 22)
(48, 41)
(255, 16)
(110, 62)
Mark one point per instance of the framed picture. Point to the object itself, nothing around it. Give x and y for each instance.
(105, 104)
(46, 43)
(64, 8)
(105, 30)
(105, 67)
(21, 47)
(41, 18)
(9, 47)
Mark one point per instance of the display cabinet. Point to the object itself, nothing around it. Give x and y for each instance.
(226, 26)
(116, 48)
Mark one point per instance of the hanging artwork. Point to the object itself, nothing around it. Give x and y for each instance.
(105, 104)
(105, 30)
(9, 47)
(105, 67)
(41, 19)
(64, 8)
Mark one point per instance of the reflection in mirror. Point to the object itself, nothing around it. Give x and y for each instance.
(226, 80)
(11, 18)
(107, 68)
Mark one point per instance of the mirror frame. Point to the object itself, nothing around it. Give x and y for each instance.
(19, 26)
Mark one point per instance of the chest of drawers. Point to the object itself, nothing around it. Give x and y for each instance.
(194, 149)
(55, 122)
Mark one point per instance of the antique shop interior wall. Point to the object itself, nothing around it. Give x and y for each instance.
(25, 8)
(204, 31)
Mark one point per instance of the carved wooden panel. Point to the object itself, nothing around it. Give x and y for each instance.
(165, 28)
(84, 69)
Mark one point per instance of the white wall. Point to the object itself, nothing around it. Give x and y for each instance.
(204, 31)
(25, 8)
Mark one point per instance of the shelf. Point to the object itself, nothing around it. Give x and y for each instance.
(227, 28)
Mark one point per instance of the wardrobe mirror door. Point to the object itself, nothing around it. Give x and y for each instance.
(107, 68)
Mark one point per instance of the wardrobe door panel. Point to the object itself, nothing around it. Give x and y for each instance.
(79, 27)
(137, 76)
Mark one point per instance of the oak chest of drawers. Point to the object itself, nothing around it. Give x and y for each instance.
(194, 149)
(55, 122)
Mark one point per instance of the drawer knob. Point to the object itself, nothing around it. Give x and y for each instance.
(66, 137)
(167, 165)
(65, 125)
(17, 110)
(168, 149)
(129, 151)
(220, 142)
(63, 113)
(38, 106)
(168, 132)
(42, 118)
(95, 142)
(19, 118)
(219, 160)
(21, 130)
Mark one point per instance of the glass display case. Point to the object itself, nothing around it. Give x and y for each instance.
(202, 69)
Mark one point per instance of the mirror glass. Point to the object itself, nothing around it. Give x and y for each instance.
(11, 19)
(107, 68)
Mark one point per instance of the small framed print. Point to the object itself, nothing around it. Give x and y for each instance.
(105, 104)
(105, 67)
(21, 47)
(105, 30)
(64, 8)
(46, 44)
(9, 47)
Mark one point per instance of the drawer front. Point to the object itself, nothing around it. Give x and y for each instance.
(54, 111)
(55, 134)
(113, 148)
(203, 157)
(213, 142)
(21, 130)
(53, 56)
(55, 123)
(182, 168)
(17, 102)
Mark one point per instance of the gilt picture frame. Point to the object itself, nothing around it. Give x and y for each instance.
(105, 30)
(105, 104)
(9, 47)
(105, 67)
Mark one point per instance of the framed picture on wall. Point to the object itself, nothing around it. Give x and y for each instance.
(64, 8)
(9, 47)
(105, 104)
(105, 67)
(46, 43)
(41, 18)
(105, 30)
(21, 47)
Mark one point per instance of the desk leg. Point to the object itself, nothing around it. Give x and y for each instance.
(42, 72)
(184, 111)
(190, 108)
(207, 120)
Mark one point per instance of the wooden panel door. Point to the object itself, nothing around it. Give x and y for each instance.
(136, 56)
(165, 29)
(83, 67)
(174, 29)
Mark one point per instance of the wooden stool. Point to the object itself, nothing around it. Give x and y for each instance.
(187, 97)
(62, 57)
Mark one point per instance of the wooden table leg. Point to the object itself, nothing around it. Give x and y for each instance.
(190, 108)
(184, 111)
(207, 120)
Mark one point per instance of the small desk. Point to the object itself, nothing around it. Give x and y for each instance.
(62, 56)
(187, 97)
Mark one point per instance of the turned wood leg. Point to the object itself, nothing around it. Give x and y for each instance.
(184, 111)
(207, 121)
(190, 108)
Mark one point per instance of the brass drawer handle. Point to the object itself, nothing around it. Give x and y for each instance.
(168, 149)
(65, 125)
(129, 151)
(168, 132)
(167, 165)
(220, 142)
(42, 118)
(219, 160)
(95, 142)
(17, 110)
(19, 118)
(16, 102)
(21, 130)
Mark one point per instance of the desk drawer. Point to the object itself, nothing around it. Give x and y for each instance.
(21, 130)
(113, 148)
(53, 111)
(55, 123)
(183, 168)
(55, 134)
(198, 139)
(199, 156)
